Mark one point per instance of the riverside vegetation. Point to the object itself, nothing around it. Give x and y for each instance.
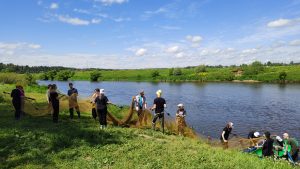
(256, 71)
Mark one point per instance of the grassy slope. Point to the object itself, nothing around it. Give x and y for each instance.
(270, 74)
(35, 142)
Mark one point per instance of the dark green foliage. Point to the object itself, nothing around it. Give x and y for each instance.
(177, 72)
(282, 76)
(29, 79)
(94, 76)
(155, 74)
(200, 68)
(64, 75)
(171, 71)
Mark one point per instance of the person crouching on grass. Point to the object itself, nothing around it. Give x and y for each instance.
(225, 134)
(180, 119)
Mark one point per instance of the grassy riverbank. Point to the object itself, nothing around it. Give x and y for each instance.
(266, 74)
(35, 142)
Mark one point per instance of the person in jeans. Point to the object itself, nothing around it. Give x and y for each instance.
(17, 101)
(159, 106)
(140, 106)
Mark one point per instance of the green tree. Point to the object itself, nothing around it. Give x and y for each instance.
(155, 74)
(95, 75)
(171, 71)
(177, 72)
(44, 76)
(29, 79)
(200, 68)
(282, 76)
(51, 74)
(64, 75)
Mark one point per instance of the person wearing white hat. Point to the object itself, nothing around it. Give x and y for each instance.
(180, 119)
(225, 134)
(140, 106)
(253, 138)
(101, 104)
(278, 143)
(159, 106)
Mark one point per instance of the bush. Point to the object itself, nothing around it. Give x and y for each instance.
(155, 74)
(51, 74)
(171, 71)
(282, 76)
(12, 78)
(64, 75)
(201, 68)
(30, 79)
(177, 72)
(95, 75)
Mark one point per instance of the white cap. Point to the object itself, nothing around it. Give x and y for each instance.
(180, 105)
(256, 134)
(279, 138)
(101, 91)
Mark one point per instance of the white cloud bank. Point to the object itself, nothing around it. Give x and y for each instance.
(110, 2)
(141, 52)
(77, 21)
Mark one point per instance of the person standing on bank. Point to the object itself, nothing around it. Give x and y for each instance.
(73, 93)
(159, 106)
(48, 99)
(180, 119)
(101, 104)
(54, 102)
(140, 106)
(225, 134)
(93, 97)
(16, 101)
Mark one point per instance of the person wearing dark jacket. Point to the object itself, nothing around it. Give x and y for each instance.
(73, 103)
(16, 95)
(54, 102)
(101, 104)
(267, 148)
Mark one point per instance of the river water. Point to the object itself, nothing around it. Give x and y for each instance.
(255, 106)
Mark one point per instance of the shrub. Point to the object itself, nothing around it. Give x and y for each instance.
(177, 72)
(200, 68)
(282, 76)
(64, 75)
(155, 74)
(95, 75)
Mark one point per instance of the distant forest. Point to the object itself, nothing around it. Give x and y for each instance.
(40, 69)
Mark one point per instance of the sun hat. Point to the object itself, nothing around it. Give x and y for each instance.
(256, 134)
(102, 91)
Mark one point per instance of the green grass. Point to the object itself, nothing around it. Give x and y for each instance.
(35, 142)
(269, 74)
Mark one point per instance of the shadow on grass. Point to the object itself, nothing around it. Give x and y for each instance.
(35, 140)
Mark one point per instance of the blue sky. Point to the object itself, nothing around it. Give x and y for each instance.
(148, 33)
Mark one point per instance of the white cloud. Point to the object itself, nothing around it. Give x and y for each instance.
(180, 55)
(173, 49)
(283, 23)
(120, 19)
(110, 2)
(194, 39)
(77, 21)
(249, 51)
(141, 52)
(54, 6)
(295, 42)
(166, 27)
(72, 21)
(34, 46)
(95, 21)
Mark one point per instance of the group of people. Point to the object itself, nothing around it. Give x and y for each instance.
(99, 107)
(267, 143)
(99, 110)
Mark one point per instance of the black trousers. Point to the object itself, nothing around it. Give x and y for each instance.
(161, 117)
(17, 106)
(94, 113)
(71, 110)
(55, 112)
(102, 113)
